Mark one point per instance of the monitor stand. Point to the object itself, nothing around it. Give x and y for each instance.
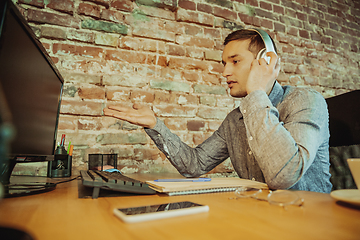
(22, 185)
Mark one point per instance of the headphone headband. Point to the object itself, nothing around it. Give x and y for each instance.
(266, 39)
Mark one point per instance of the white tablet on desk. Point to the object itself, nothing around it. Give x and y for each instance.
(159, 211)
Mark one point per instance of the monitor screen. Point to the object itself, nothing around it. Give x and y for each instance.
(31, 84)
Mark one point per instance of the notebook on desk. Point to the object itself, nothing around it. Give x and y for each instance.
(215, 185)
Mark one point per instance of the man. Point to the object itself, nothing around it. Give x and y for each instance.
(278, 135)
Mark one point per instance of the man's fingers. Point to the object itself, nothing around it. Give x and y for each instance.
(273, 58)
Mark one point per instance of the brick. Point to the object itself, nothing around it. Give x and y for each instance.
(304, 34)
(164, 97)
(266, 6)
(124, 80)
(267, 24)
(191, 76)
(212, 33)
(213, 79)
(118, 95)
(311, 80)
(89, 10)
(154, 33)
(168, 73)
(35, 3)
(194, 17)
(196, 125)
(218, 90)
(89, 124)
(246, 19)
(211, 113)
(170, 86)
(91, 93)
(81, 108)
(213, 55)
(123, 5)
(104, 26)
(225, 13)
(67, 122)
(65, 49)
(79, 35)
(111, 15)
(61, 5)
(141, 154)
(157, 12)
(202, 7)
(175, 111)
(81, 78)
(175, 50)
(208, 100)
(128, 56)
(190, 29)
(279, 9)
(194, 52)
(216, 67)
(122, 138)
(190, 5)
(39, 16)
(221, 3)
(279, 27)
(195, 41)
(188, 64)
(177, 124)
(142, 96)
(166, 4)
(104, 3)
(175, 27)
(185, 99)
(53, 33)
(106, 39)
(252, 2)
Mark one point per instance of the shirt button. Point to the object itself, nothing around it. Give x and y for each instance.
(253, 179)
(250, 138)
(250, 152)
(244, 111)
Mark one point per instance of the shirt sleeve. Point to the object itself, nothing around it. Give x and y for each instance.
(284, 147)
(190, 162)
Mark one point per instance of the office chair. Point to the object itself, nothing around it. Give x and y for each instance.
(344, 125)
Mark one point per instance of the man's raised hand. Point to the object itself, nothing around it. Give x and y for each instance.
(138, 115)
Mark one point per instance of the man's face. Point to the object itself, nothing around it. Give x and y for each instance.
(237, 60)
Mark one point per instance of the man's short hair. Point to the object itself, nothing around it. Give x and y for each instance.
(256, 42)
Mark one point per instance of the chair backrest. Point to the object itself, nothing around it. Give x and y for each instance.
(344, 119)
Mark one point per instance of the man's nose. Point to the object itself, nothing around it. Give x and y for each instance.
(227, 70)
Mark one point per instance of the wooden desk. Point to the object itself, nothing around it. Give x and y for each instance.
(61, 214)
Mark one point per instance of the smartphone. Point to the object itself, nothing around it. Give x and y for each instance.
(159, 211)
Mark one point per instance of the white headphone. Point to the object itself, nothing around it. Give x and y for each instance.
(269, 46)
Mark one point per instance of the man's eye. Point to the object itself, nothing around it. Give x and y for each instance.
(236, 61)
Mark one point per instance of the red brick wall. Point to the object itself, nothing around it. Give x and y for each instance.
(166, 54)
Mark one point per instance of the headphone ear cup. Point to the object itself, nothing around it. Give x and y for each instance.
(261, 54)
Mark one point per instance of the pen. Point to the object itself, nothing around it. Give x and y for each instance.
(69, 148)
(184, 180)
(62, 140)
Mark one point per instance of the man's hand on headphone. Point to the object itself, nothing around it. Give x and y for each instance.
(262, 75)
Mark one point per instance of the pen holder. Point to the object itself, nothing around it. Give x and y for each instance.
(62, 164)
(102, 161)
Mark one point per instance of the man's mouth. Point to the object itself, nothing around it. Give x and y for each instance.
(230, 83)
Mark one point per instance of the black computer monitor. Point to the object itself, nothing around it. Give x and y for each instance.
(31, 86)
